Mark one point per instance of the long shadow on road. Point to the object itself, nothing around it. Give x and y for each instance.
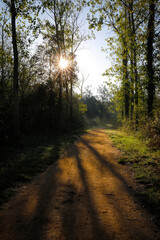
(72, 208)
(99, 231)
(122, 212)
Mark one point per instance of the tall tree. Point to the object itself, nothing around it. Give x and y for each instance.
(125, 63)
(21, 9)
(15, 76)
(150, 49)
(2, 50)
(128, 20)
(64, 30)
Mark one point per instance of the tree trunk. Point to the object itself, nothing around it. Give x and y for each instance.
(2, 65)
(125, 73)
(58, 42)
(131, 63)
(71, 98)
(136, 87)
(71, 82)
(135, 66)
(66, 83)
(150, 69)
(15, 72)
(126, 84)
(60, 108)
(132, 86)
(50, 68)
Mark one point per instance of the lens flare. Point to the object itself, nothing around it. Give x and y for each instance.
(63, 63)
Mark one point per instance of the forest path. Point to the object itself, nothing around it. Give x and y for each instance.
(85, 195)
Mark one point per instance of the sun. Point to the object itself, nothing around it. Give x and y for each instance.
(63, 63)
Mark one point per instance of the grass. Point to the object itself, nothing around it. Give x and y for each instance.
(144, 162)
(32, 155)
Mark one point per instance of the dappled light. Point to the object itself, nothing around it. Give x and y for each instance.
(85, 195)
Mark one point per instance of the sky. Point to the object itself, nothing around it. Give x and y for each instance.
(91, 59)
(93, 62)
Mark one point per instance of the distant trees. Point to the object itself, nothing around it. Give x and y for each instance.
(99, 107)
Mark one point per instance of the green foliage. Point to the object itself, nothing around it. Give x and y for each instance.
(128, 76)
(82, 107)
(150, 129)
(100, 109)
(131, 143)
(123, 160)
(144, 162)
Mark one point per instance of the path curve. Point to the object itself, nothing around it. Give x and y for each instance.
(85, 195)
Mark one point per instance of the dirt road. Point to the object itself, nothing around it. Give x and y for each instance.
(86, 195)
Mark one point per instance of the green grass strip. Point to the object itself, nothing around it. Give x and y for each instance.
(145, 163)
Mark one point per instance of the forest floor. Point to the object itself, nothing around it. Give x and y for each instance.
(85, 195)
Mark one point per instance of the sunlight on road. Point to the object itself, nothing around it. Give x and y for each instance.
(85, 195)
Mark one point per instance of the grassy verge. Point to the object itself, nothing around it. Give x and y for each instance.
(144, 163)
(32, 155)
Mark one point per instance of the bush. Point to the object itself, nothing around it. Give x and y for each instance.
(150, 128)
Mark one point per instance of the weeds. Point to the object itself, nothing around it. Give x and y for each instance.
(144, 161)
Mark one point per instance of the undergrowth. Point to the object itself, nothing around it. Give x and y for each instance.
(144, 161)
(32, 155)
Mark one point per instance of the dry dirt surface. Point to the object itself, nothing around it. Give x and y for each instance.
(85, 195)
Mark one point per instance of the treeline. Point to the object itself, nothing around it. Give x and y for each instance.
(100, 108)
(36, 94)
(135, 47)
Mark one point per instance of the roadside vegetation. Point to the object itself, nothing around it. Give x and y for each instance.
(143, 161)
(31, 156)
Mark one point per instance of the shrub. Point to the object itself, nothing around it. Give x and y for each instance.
(150, 128)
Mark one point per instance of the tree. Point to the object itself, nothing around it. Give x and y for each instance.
(84, 76)
(15, 76)
(103, 93)
(150, 49)
(129, 20)
(3, 23)
(17, 9)
(63, 30)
